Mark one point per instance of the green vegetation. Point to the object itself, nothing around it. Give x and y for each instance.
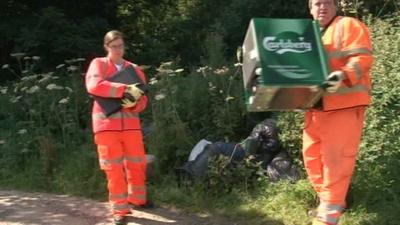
(45, 133)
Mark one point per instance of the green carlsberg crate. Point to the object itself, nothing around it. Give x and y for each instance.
(284, 64)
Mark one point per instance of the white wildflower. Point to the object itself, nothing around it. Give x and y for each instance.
(153, 81)
(33, 89)
(22, 131)
(45, 78)
(221, 71)
(72, 68)
(18, 55)
(64, 101)
(203, 69)
(69, 89)
(166, 63)
(69, 61)
(51, 86)
(229, 98)
(54, 87)
(159, 97)
(36, 58)
(3, 90)
(2, 142)
(5, 66)
(211, 86)
(60, 66)
(15, 99)
(168, 71)
(179, 70)
(25, 78)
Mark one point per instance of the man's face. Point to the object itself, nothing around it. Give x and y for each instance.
(323, 11)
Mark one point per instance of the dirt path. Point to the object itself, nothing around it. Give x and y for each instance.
(45, 209)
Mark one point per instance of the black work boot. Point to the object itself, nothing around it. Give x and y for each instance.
(120, 220)
(312, 213)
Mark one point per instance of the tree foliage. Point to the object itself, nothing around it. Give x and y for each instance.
(157, 30)
(53, 30)
(171, 29)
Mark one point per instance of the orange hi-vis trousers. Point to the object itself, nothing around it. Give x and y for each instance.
(122, 157)
(330, 145)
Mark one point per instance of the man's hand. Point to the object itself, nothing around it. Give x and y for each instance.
(128, 103)
(134, 91)
(334, 80)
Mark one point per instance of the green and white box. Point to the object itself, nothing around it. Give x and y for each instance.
(284, 64)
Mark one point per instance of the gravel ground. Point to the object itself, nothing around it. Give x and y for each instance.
(44, 209)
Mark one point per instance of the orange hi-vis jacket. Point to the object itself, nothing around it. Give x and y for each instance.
(349, 49)
(126, 119)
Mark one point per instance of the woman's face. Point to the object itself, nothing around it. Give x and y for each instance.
(116, 48)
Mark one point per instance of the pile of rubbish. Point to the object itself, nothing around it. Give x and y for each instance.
(262, 145)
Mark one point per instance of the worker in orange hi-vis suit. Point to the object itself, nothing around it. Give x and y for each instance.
(119, 137)
(332, 129)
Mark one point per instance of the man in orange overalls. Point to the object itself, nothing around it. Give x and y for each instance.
(332, 130)
(119, 137)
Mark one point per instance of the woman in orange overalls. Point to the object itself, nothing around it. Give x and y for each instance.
(119, 137)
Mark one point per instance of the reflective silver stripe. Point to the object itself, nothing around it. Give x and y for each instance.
(356, 67)
(330, 208)
(101, 116)
(138, 196)
(120, 206)
(130, 115)
(118, 197)
(343, 54)
(117, 115)
(113, 91)
(346, 90)
(136, 159)
(327, 218)
(93, 76)
(339, 34)
(111, 161)
(136, 188)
